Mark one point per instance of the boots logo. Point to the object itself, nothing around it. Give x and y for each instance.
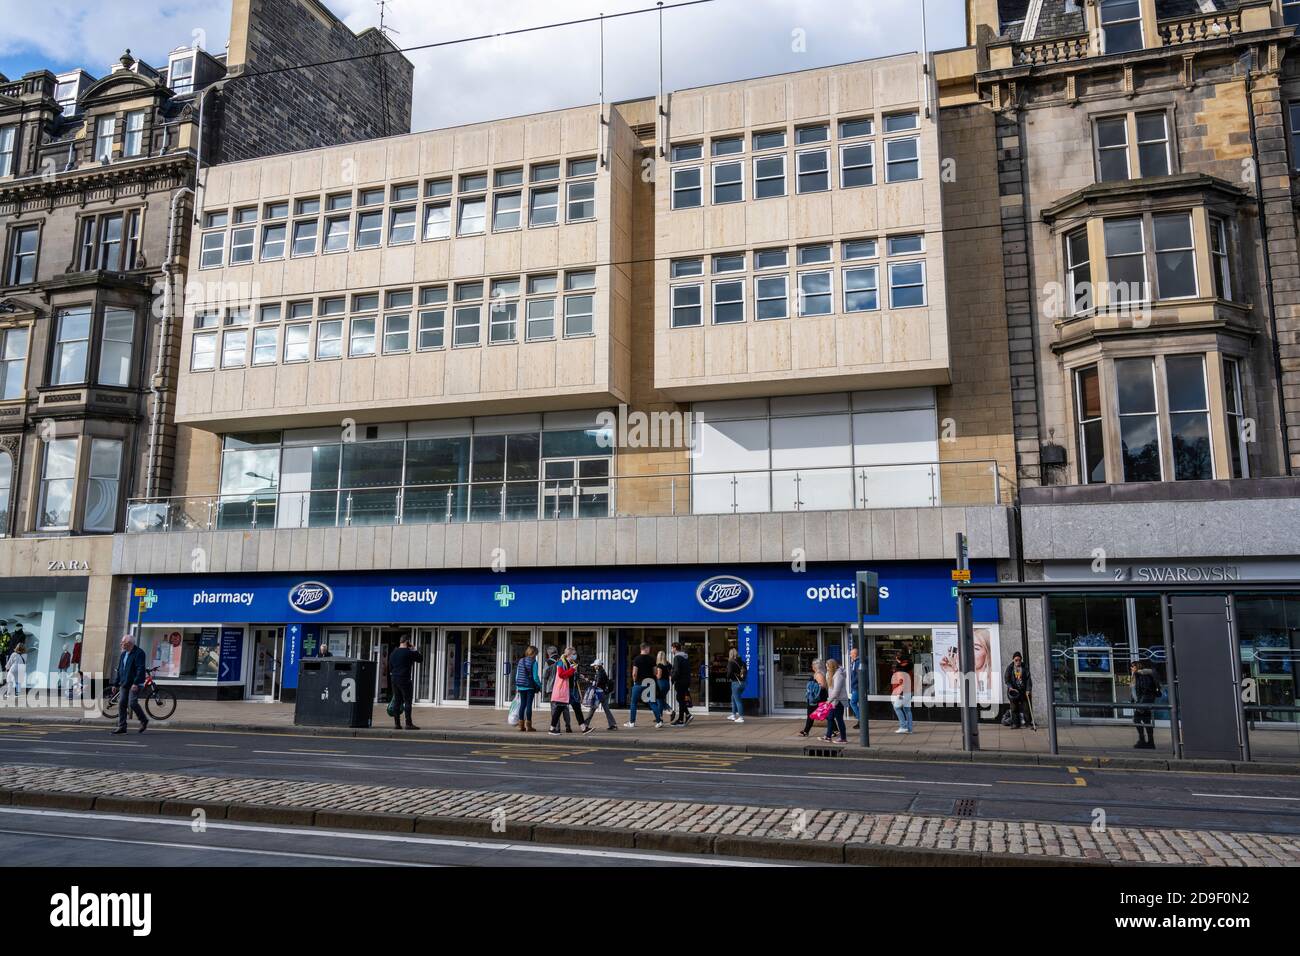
(724, 593)
(310, 597)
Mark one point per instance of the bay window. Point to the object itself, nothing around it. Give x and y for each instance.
(58, 481)
(71, 346)
(1139, 419)
(1234, 406)
(1189, 417)
(102, 484)
(1088, 418)
(13, 364)
(1219, 257)
(1078, 270)
(1125, 261)
(1175, 256)
(115, 349)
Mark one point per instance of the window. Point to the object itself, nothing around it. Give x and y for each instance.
(437, 187)
(812, 171)
(404, 193)
(1112, 149)
(906, 284)
(101, 242)
(902, 160)
(901, 122)
(1138, 419)
(203, 352)
(857, 166)
(1121, 25)
(1294, 111)
(729, 263)
(687, 193)
(1175, 258)
(685, 268)
(401, 225)
(241, 240)
(687, 306)
(105, 128)
(811, 134)
(1125, 261)
(1219, 257)
(102, 484)
(1078, 272)
(1087, 413)
(273, 241)
(71, 347)
(813, 255)
(234, 348)
(329, 339)
(505, 211)
(503, 311)
(771, 296)
(13, 365)
(578, 309)
(133, 144)
(905, 245)
(432, 318)
(1291, 12)
(237, 316)
(545, 172)
(467, 318)
(728, 145)
(58, 477)
(582, 167)
(861, 287)
(22, 256)
(304, 237)
(8, 140)
(1189, 417)
(361, 330)
(370, 229)
(181, 78)
(1153, 144)
(297, 342)
(540, 312)
(771, 258)
(397, 322)
(815, 293)
(853, 128)
(728, 182)
(115, 349)
(266, 342)
(858, 249)
(769, 176)
(770, 139)
(298, 311)
(728, 302)
(473, 216)
(437, 220)
(371, 197)
(543, 206)
(582, 200)
(684, 152)
(212, 251)
(1235, 407)
(473, 182)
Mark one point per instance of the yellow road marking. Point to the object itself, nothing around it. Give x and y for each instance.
(1078, 781)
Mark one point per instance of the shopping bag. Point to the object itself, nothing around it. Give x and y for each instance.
(823, 710)
(394, 706)
(516, 706)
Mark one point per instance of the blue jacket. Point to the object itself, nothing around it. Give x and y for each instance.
(526, 674)
(131, 667)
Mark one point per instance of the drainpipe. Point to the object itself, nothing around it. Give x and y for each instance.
(1268, 269)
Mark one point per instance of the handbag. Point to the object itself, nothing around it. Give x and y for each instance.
(823, 710)
(394, 706)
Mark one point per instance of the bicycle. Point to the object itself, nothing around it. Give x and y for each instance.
(158, 701)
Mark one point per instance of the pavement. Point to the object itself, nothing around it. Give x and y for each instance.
(1275, 751)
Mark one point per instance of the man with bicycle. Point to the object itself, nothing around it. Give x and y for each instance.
(130, 678)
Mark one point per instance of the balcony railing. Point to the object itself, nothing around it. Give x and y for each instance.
(1055, 50)
(905, 485)
(1202, 26)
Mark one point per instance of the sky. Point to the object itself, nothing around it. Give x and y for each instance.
(713, 42)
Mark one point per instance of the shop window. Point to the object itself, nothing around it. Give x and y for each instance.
(1268, 631)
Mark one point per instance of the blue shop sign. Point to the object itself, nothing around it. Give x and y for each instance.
(910, 592)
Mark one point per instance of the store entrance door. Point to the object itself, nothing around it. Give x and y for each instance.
(793, 651)
(264, 675)
(483, 654)
(517, 640)
(453, 667)
(385, 642)
(425, 684)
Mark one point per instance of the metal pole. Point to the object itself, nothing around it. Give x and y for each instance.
(970, 730)
(1175, 727)
(863, 689)
(1047, 678)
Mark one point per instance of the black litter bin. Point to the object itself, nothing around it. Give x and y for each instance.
(334, 692)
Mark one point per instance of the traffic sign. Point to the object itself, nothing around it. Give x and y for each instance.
(961, 574)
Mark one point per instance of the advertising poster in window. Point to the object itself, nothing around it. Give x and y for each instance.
(208, 654)
(167, 654)
(947, 670)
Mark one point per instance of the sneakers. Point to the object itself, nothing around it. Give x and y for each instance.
(901, 730)
(658, 724)
(740, 720)
(554, 732)
(689, 718)
(120, 730)
(731, 716)
(631, 725)
(588, 729)
(143, 726)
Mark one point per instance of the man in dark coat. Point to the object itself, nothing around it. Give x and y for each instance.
(130, 679)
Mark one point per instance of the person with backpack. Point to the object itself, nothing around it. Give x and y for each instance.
(1144, 692)
(1019, 684)
(527, 683)
(601, 688)
(681, 678)
(736, 678)
(814, 694)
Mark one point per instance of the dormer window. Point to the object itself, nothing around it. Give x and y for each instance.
(133, 143)
(1121, 25)
(65, 93)
(181, 74)
(105, 127)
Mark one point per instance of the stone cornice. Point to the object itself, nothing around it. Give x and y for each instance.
(1099, 194)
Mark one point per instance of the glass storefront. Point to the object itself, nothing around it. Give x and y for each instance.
(1093, 640)
(49, 624)
(1268, 631)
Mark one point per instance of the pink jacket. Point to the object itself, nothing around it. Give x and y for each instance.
(560, 689)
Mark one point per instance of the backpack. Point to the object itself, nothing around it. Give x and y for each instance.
(1148, 687)
(812, 692)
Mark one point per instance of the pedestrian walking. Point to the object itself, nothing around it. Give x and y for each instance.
(401, 681)
(855, 678)
(900, 697)
(681, 680)
(131, 673)
(575, 692)
(814, 694)
(601, 688)
(736, 677)
(643, 666)
(1144, 690)
(663, 683)
(528, 681)
(16, 672)
(563, 687)
(837, 693)
(1018, 684)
